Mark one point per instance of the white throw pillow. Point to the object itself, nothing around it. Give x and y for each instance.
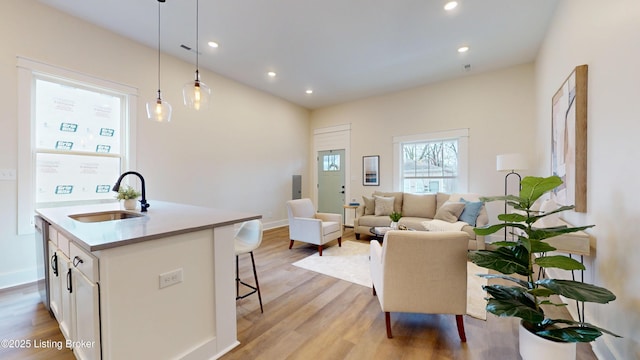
(369, 205)
(450, 211)
(384, 205)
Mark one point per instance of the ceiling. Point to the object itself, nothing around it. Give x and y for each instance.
(341, 49)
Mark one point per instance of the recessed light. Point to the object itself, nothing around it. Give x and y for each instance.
(309, 92)
(463, 49)
(271, 74)
(213, 44)
(450, 5)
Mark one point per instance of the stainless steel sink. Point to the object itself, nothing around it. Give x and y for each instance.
(105, 216)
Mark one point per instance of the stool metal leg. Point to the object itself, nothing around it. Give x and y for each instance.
(254, 288)
(255, 276)
(237, 280)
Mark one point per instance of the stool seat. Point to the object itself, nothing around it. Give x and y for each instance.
(248, 238)
(243, 248)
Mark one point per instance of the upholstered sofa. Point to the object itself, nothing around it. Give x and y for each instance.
(424, 212)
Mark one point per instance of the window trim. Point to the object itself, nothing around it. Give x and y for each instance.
(462, 135)
(28, 69)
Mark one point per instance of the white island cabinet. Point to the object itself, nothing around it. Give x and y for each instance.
(156, 286)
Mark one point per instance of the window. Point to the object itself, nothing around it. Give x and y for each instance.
(331, 162)
(78, 141)
(428, 167)
(431, 163)
(75, 137)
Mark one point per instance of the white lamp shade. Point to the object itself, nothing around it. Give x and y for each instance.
(511, 162)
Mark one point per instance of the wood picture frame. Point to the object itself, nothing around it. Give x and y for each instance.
(569, 140)
(371, 170)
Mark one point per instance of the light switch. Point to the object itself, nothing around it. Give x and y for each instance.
(7, 174)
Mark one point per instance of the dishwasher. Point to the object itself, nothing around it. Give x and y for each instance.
(42, 259)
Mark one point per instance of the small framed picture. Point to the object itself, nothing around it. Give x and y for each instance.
(371, 170)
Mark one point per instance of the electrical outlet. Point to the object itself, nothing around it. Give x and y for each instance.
(7, 174)
(170, 278)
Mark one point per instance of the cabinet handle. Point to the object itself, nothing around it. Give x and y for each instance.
(69, 285)
(77, 261)
(54, 264)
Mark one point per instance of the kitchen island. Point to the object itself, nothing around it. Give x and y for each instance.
(143, 285)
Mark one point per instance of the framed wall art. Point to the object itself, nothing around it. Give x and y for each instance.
(569, 140)
(371, 170)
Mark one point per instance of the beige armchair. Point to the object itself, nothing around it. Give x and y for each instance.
(421, 272)
(307, 225)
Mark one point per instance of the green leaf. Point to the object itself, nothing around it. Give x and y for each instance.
(553, 322)
(501, 260)
(541, 292)
(525, 284)
(577, 290)
(488, 230)
(533, 187)
(526, 247)
(560, 262)
(538, 246)
(512, 218)
(546, 233)
(504, 243)
(512, 301)
(540, 214)
(549, 302)
(571, 334)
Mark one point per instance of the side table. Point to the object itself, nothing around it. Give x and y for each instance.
(355, 213)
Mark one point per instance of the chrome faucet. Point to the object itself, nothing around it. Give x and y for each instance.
(143, 203)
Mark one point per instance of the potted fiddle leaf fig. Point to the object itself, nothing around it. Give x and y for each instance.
(526, 296)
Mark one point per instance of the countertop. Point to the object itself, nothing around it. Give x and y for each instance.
(162, 219)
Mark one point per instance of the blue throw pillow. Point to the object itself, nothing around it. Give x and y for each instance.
(470, 212)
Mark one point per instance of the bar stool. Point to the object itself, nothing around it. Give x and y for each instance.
(247, 239)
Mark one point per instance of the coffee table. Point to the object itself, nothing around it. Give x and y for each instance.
(377, 232)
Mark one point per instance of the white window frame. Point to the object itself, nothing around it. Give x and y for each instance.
(28, 71)
(462, 135)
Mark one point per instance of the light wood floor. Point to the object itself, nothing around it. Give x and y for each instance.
(306, 316)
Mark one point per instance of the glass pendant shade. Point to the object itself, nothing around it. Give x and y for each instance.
(196, 94)
(159, 110)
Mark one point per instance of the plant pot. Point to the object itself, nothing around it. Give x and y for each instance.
(394, 225)
(533, 347)
(130, 204)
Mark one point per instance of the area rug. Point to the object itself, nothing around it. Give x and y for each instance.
(351, 263)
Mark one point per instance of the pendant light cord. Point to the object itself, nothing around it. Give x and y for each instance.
(197, 33)
(159, 1)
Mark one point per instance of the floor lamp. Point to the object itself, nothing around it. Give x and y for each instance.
(510, 163)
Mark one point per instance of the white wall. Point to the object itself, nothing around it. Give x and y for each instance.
(239, 154)
(496, 107)
(606, 36)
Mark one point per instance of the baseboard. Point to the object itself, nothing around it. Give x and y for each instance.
(17, 278)
(25, 286)
(275, 224)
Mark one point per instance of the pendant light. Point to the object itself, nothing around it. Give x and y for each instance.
(159, 110)
(196, 94)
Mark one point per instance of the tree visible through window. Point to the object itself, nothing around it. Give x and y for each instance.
(331, 162)
(430, 167)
